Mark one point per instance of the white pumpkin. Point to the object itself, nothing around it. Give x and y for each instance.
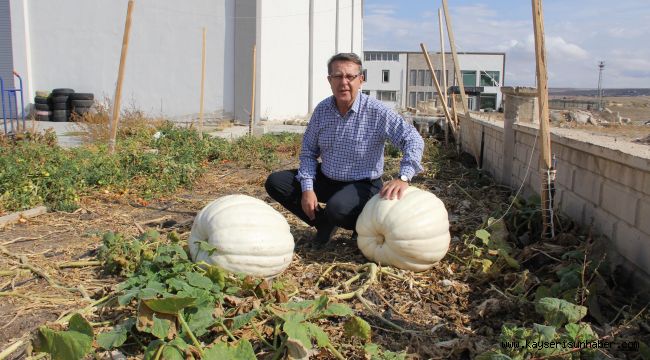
(411, 233)
(250, 236)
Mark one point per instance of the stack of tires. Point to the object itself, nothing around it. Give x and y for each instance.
(42, 106)
(80, 103)
(59, 104)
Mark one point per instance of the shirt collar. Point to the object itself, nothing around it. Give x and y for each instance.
(355, 106)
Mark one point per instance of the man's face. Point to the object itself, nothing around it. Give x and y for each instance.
(344, 89)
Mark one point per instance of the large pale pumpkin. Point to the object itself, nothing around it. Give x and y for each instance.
(411, 233)
(250, 236)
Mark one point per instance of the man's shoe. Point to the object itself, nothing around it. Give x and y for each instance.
(323, 234)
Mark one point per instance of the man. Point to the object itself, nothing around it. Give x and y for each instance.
(347, 131)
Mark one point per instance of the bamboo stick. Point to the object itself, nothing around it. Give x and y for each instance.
(202, 87)
(120, 78)
(544, 133)
(443, 68)
(459, 79)
(435, 82)
(250, 123)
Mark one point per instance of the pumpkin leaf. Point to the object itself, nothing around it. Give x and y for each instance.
(317, 333)
(243, 319)
(558, 312)
(509, 259)
(116, 336)
(152, 349)
(198, 280)
(484, 235)
(337, 309)
(217, 275)
(206, 247)
(72, 344)
(242, 351)
(493, 355)
(356, 326)
(160, 327)
(298, 331)
(547, 332)
(170, 304)
(172, 353)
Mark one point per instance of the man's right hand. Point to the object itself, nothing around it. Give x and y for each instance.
(309, 204)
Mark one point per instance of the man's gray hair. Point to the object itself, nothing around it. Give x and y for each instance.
(343, 57)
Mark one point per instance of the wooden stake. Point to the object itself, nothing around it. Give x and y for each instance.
(443, 68)
(120, 77)
(250, 123)
(459, 79)
(202, 87)
(544, 133)
(437, 84)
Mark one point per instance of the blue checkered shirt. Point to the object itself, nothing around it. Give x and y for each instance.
(351, 147)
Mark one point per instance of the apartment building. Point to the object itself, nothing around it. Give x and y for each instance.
(402, 79)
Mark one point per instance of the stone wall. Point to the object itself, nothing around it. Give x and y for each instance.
(601, 182)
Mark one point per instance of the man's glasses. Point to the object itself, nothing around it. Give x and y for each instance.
(340, 77)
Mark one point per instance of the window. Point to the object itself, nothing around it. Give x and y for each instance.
(490, 78)
(412, 97)
(385, 76)
(469, 77)
(367, 92)
(428, 80)
(413, 77)
(489, 101)
(373, 56)
(428, 96)
(420, 96)
(366, 57)
(387, 95)
(421, 77)
(384, 56)
(365, 75)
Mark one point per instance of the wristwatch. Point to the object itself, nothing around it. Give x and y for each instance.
(404, 178)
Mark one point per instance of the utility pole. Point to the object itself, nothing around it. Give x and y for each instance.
(601, 67)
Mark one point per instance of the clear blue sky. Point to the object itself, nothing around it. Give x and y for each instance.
(579, 34)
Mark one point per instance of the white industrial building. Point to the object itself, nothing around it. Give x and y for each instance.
(77, 43)
(402, 79)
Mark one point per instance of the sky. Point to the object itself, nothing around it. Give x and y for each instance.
(579, 34)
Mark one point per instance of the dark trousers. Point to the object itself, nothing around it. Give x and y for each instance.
(344, 200)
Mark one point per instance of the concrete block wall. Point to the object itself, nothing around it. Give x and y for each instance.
(601, 183)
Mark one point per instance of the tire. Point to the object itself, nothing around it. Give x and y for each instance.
(42, 107)
(41, 93)
(59, 99)
(43, 117)
(59, 106)
(80, 103)
(82, 96)
(80, 110)
(40, 100)
(58, 118)
(62, 91)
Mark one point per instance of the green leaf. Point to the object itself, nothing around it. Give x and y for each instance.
(298, 331)
(558, 312)
(337, 309)
(207, 247)
(547, 332)
(242, 351)
(169, 305)
(172, 353)
(152, 348)
(317, 333)
(356, 326)
(198, 280)
(67, 345)
(217, 275)
(484, 235)
(580, 332)
(486, 264)
(160, 327)
(644, 350)
(116, 336)
(243, 319)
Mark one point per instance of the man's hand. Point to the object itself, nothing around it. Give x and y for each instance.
(392, 189)
(309, 204)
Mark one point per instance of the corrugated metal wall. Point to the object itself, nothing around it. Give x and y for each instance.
(6, 57)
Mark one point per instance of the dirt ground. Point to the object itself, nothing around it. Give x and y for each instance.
(457, 311)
